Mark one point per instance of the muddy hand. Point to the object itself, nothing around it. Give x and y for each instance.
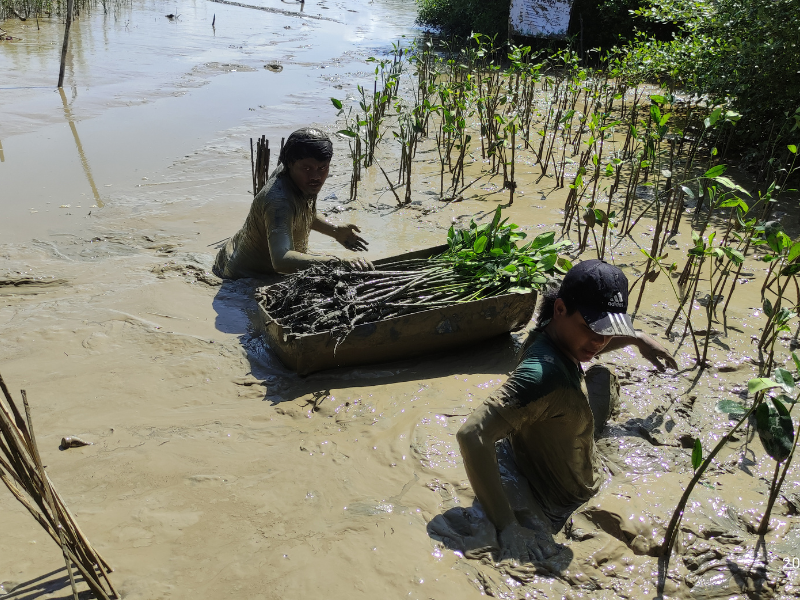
(347, 236)
(654, 352)
(523, 544)
(361, 264)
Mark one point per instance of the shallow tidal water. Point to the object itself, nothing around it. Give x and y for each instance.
(215, 471)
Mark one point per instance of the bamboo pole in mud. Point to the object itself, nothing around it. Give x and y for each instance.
(66, 44)
(48, 495)
(22, 472)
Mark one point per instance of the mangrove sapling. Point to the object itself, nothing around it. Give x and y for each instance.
(637, 162)
(744, 240)
(653, 132)
(511, 184)
(708, 122)
(658, 262)
(777, 433)
(577, 189)
(557, 121)
(716, 254)
(766, 200)
(715, 174)
(754, 386)
(373, 119)
(687, 284)
(424, 60)
(551, 112)
(747, 233)
(609, 222)
(352, 132)
(598, 131)
(531, 76)
(778, 319)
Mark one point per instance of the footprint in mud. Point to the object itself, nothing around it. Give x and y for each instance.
(194, 268)
(161, 246)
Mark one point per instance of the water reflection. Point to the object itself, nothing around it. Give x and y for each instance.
(84, 162)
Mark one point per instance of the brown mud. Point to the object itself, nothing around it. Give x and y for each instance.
(214, 471)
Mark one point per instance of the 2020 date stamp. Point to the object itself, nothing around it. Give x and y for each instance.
(791, 563)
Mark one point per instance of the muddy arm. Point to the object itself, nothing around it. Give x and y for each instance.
(278, 224)
(284, 259)
(324, 226)
(477, 438)
(648, 348)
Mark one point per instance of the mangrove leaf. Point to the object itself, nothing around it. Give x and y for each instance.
(759, 384)
(775, 429)
(715, 172)
(697, 454)
(784, 377)
(733, 409)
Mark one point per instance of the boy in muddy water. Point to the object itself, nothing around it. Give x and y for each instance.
(274, 238)
(549, 412)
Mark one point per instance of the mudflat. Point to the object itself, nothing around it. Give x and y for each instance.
(215, 471)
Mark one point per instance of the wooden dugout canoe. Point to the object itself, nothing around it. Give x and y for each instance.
(425, 332)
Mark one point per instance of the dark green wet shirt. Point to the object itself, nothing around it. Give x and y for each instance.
(546, 405)
(279, 218)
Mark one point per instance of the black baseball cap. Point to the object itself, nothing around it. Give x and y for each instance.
(600, 292)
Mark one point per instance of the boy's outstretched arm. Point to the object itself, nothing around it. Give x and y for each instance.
(648, 348)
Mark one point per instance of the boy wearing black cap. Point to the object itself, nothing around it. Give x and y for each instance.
(549, 410)
(274, 238)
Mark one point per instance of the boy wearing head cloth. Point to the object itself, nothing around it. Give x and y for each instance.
(274, 238)
(549, 411)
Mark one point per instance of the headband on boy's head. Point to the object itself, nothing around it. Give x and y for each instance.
(306, 143)
(600, 292)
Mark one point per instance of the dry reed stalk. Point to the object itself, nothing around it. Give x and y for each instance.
(22, 472)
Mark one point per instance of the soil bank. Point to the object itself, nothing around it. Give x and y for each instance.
(215, 472)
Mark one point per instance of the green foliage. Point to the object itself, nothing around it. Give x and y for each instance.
(697, 454)
(760, 384)
(734, 410)
(602, 24)
(489, 254)
(462, 17)
(742, 51)
(775, 429)
(608, 23)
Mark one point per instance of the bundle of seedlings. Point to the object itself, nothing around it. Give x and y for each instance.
(480, 262)
(22, 471)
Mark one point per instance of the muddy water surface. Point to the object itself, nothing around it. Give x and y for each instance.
(215, 472)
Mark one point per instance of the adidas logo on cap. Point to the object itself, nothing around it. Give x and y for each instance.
(616, 301)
